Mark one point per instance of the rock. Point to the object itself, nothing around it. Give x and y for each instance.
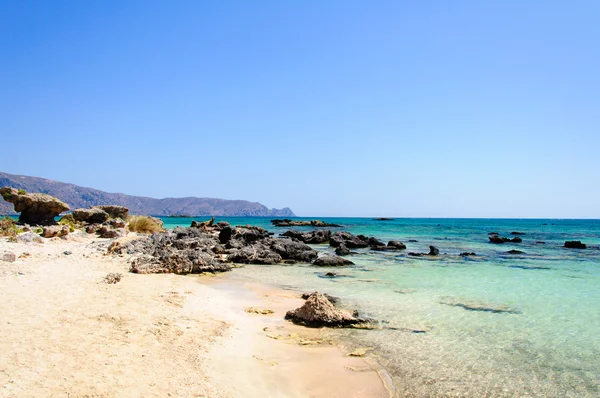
(517, 233)
(29, 237)
(54, 231)
(8, 257)
(433, 251)
(250, 234)
(108, 233)
(260, 311)
(397, 244)
(539, 242)
(499, 240)
(412, 241)
(35, 208)
(90, 216)
(575, 244)
(67, 253)
(112, 278)
(383, 219)
(254, 255)
(178, 262)
(302, 223)
(493, 233)
(359, 352)
(92, 228)
(515, 252)
(342, 250)
(318, 311)
(413, 254)
(114, 211)
(529, 267)
(203, 224)
(467, 254)
(332, 299)
(374, 242)
(225, 234)
(479, 306)
(332, 261)
(349, 240)
(117, 223)
(312, 237)
(292, 250)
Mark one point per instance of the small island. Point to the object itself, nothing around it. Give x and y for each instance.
(286, 222)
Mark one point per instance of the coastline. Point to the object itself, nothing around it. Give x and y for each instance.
(66, 332)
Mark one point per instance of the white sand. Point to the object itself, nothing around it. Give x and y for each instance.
(65, 333)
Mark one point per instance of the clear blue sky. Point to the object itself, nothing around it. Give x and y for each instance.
(342, 108)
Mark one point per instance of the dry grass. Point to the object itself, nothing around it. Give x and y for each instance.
(144, 224)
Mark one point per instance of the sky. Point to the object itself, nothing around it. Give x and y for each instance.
(332, 108)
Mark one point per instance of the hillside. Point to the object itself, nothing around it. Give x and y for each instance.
(78, 197)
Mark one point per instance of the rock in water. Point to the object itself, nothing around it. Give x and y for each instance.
(575, 244)
(433, 251)
(397, 244)
(90, 216)
(332, 261)
(342, 250)
(318, 311)
(35, 208)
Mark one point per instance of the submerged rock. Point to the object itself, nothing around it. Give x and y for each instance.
(532, 267)
(575, 244)
(318, 311)
(517, 233)
(467, 254)
(479, 306)
(332, 261)
(35, 208)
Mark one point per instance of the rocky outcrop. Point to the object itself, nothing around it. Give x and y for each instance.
(55, 231)
(397, 244)
(35, 208)
(114, 211)
(318, 311)
(575, 244)
(90, 216)
(312, 237)
(293, 250)
(499, 239)
(301, 223)
(433, 251)
(332, 299)
(332, 261)
(342, 250)
(348, 240)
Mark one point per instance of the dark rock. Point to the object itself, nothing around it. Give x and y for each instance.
(493, 233)
(225, 234)
(575, 244)
(55, 231)
(302, 223)
(109, 233)
(117, 223)
(413, 254)
(252, 255)
(467, 254)
(92, 228)
(332, 261)
(529, 267)
(412, 241)
(35, 208)
(375, 242)
(342, 250)
(539, 242)
(517, 233)
(90, 216)
(67, 253)
(114, 211)
(318, 311)
(515, 252)
(499, 240)
(383, 219)
(289, 249)
(349, 240)
(433, 251)
(397, 244)
(312, 237)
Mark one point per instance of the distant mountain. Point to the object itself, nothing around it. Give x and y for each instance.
(80, 197)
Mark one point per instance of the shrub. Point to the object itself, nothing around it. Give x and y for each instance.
(22, 192)
(68, 219)
(8, 227)
(144, 224)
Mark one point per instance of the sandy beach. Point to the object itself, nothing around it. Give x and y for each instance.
(67, 333)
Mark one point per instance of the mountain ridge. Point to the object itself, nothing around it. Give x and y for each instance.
(82, 197)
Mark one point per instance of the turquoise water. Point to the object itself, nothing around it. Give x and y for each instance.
(547, 346)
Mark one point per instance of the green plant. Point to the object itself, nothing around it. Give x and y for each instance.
(68, 219)
(144, 224)
(8, 227)
(22, 192)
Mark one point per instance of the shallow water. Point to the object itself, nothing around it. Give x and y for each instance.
(496, 324)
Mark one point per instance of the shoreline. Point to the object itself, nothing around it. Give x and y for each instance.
(66, 332)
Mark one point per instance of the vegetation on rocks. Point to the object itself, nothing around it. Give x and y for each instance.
(8, 227)
(69, 221)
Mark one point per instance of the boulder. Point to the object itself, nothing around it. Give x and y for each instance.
(373, 242)
(251, 255)
(225, 234)
(342, 250)
(575, 244)
(332, 261)
(332, 299)
(397, 244)
(90, 216)
(433, 251)
(8, 257)
(289, 249)
(114, 211)
(117, 223)
(349, 240)
(55, 231)
(29, 237)
(499, 239)
(318, 311)
(109, 233)
(313, 237)
(35, 208)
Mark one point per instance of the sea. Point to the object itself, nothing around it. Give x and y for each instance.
(491, 325)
